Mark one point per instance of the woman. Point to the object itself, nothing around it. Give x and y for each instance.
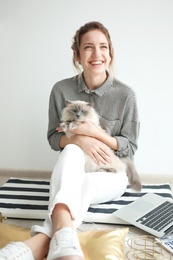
(71, 189)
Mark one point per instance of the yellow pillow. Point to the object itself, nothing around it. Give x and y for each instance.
(10, 233)
(103, 244)
(96, 244)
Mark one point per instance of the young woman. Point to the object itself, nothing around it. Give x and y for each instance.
(71, 189)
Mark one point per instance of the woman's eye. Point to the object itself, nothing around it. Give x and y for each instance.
(104, 46)
(88, 47)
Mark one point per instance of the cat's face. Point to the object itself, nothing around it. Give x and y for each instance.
(76, 111)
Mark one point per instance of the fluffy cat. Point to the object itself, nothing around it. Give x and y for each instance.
(77, 112)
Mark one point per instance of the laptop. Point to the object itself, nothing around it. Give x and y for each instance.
(151, 213)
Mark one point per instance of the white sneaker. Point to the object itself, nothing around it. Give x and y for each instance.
(16, 251)
(65, 242)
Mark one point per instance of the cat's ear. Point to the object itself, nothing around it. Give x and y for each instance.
(91, 104)
(68, 102)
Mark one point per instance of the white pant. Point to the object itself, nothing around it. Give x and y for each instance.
(78, 190)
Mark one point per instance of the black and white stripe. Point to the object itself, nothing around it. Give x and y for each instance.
(28, 199)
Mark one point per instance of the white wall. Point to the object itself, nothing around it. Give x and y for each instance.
(35, 40)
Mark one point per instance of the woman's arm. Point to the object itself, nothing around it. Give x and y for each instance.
(88, 129)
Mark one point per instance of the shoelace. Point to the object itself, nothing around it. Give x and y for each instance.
(66, 240)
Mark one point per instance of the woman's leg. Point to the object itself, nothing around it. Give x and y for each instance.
(64, 204)
(88, 188)
(65, 189)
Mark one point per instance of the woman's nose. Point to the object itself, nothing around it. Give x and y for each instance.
(96, 52)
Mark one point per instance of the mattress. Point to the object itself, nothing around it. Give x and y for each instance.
(28, 199)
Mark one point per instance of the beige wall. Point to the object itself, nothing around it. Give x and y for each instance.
(35, 39)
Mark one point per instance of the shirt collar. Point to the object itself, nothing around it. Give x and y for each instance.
(99, 91)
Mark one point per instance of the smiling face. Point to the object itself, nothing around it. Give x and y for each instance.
(94, 54)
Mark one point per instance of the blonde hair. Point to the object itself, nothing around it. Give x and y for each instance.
(77, 40)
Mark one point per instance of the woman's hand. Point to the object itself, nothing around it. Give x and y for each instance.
(97, 150)
(85, 128)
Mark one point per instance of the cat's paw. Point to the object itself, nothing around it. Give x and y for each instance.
(64, 127)
(74, 125)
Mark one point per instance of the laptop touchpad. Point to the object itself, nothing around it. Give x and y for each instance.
(142, 206)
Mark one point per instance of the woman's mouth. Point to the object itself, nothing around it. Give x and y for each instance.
(99, 62)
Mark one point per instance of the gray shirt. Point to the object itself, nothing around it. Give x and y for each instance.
(114, 101)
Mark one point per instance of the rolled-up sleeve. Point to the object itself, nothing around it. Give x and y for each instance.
(129, 134)
(127, 142)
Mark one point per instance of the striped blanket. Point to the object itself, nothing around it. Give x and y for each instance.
(28, 199)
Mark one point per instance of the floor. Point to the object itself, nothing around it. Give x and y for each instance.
(133, 231)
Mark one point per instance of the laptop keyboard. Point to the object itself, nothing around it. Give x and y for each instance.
(158, 218)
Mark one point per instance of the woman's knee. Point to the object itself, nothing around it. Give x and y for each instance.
(73, 148)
